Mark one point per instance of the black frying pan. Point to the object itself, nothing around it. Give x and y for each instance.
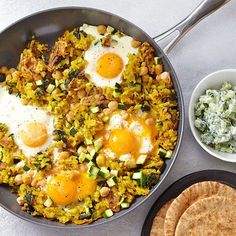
(47, 26)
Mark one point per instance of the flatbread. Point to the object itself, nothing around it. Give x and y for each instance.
(189, 196)
(214, 215)
(158, 222)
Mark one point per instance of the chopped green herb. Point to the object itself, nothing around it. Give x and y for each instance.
(73, 132)
(26, 168)
(73, 74)
(2, 77)
(145, 107)
(121, 106)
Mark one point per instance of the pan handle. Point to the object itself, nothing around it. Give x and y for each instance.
(204, 9)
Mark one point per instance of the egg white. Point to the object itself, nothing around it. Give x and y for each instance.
(123, 48)
(16, 116)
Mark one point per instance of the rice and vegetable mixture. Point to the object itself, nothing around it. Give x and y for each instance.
(106, 121)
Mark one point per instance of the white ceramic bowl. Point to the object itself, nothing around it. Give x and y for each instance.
(212, 81)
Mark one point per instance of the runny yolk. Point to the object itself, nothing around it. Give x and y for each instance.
(62, 190)
(109, 65)
(122, 141)
(86, 186)
(34, 134)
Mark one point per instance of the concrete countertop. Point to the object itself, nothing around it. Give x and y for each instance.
(210, 46)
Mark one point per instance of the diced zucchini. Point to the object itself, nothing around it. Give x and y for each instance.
(137, 175)
(112, 181)
(141, 159)
(162, 152)
(107, 213)
(125, 157)
(157, 60)
(94, 109)
(48, 202)
(84, 157)
(39, 82)
(98, 144)
(81, 149)
(121, 106)
(50, 88)
(1, 153)
(110, 29)
(124, 205)
(93, 171)
(104, 172)
(116, 94)
(86, 215)
(62, 87)
(96, 42)
(168, 154)
(88, 141)
(57, 82)
(92, 152)
(114, 42)
(114, 172)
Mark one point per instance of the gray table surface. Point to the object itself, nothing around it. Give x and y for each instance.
(210, 46)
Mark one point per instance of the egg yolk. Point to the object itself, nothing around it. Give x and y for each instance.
(86, 186)
(109, 65)
(122, 141)
(34, 134)
(62, 190)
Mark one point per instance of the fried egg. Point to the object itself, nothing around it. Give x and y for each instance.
(31, 127)
(65, 189)
(106, 64)
(127, 138)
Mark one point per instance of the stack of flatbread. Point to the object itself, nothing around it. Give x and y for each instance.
(204, 209)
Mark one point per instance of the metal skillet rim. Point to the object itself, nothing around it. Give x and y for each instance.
(101, 221)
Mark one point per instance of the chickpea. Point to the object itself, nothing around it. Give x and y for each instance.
(149, 121)
(20, 201)
(158, 69)
(101, 160)
(90, 148)
(3, 70)
(37, 77)
(12, 70)
(57, 75)
(34, 182)
(26, 178)
(8, 77)
(104, 191)
(125, 115)
(18, 179)
(107, 111)
(41, 183)
(143, 71)
(113, 105)
(165, 76)
(135, 43)
(101, 29)
(81, 93)
(64, 155)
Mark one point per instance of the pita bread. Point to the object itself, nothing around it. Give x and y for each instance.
(188, 197)
(158, 222)
(214, 215)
